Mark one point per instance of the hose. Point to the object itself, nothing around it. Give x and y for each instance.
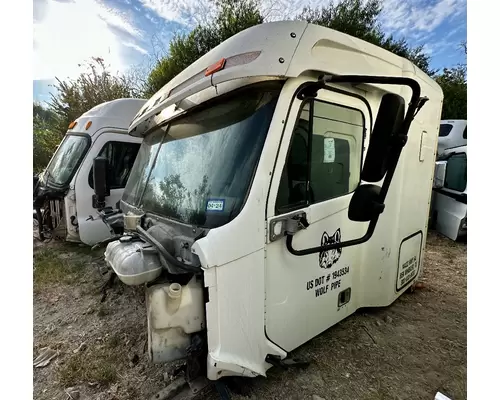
(168, 257)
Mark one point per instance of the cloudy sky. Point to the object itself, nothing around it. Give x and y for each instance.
(130, 33)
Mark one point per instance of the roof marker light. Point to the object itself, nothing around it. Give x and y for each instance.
(72, 125)
(87, 125)
(219, 65)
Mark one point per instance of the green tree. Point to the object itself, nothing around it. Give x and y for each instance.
(42, 113)
(45, 138)
(359, 18)
(91, 88)
(453, 81)
(232, 17)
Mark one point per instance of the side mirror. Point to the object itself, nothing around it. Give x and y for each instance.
(390, 117)
(365, 204)
(101, 188)
(439, 174)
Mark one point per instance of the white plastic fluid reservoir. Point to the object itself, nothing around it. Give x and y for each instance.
(174, 292)
(174, 312)
(134, 262)
(131, 221)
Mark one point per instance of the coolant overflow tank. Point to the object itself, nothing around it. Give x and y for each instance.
(174, 312)
(134, 262)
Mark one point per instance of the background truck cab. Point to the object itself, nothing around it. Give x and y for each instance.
(449, 197)
(63, 200)
(452, 133)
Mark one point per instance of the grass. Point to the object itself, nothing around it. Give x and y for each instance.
(89, 366)
(49, 268)
(96, 364)
(77, 248)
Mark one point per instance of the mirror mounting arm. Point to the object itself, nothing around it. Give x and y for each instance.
(310, 90)
(400, 140)
(98, 203)
(332, 246)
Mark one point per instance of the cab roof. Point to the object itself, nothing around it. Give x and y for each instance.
(284, 49)
(115, 114)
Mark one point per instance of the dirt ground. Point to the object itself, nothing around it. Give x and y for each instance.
(409, 350)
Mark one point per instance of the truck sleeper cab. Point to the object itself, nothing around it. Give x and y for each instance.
(63, 194)
(449, 196)
(255, 209)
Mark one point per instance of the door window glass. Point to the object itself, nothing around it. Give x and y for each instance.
(121, 157)
(324, 159)
(456, 173)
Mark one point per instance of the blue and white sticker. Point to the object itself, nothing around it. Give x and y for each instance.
(215, 205)
(329, 150)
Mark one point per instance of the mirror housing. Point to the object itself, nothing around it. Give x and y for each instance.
(101, 187)
(365, 205)
(439, 174)
(390, 117)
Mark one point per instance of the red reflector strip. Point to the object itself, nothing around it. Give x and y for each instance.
(219, 65)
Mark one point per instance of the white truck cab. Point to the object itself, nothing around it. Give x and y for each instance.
(63, 194)
(449, 199)
(452, 133)
(284, 182)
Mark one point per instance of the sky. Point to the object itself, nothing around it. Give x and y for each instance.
(129, 34)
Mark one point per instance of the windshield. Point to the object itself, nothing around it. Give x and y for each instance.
(198, 169)
(66, 160)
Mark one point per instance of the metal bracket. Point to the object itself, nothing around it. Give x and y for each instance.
(97, 203)
(286, 363)
(289, 224)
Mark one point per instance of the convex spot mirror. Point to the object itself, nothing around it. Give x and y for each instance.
(439, 174)
(365, 204)
(389, 119)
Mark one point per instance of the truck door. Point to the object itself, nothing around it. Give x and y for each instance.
(120, 151)
(450, 202)
(317, 170)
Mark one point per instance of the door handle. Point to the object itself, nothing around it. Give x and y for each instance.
(302, 222)
(287, 225)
